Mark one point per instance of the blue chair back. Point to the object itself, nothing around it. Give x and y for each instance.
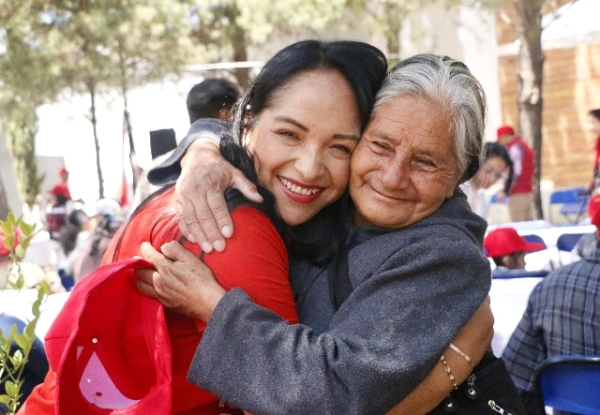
(567, 241)
(570, 383)
(534, 239)
(574, 203)
(539, 240)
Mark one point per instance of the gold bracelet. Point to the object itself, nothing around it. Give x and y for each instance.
(449, 372)
(463, 354)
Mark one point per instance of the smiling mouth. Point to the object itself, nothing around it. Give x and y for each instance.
(303, 191)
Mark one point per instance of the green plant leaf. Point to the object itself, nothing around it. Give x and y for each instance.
(22, 340)
(10, 388)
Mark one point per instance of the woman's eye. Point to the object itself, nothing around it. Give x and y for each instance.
(343, 149)
(426, 162)
(381, 145)
(289, 135)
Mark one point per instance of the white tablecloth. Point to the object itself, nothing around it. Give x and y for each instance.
(18, 304)
(508, 301)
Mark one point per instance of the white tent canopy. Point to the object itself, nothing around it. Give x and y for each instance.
(575, 22)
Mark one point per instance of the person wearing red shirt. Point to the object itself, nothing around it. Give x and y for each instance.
(520, 196)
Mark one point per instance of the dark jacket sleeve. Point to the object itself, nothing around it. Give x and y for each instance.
(383, 341)
(169, 170)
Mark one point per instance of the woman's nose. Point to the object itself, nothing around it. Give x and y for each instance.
(310, 164)
(394, 174)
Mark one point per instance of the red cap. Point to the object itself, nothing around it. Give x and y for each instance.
(62, 171)
(594, 210)
(506, 241)
(109, 347)
(61, 189)
(505, 129)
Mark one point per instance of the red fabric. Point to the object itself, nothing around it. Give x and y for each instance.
(524, 183)
(506, 241)
(107, 319)
(505, 129)
(255, 259)
(61, 189)
(596, 165)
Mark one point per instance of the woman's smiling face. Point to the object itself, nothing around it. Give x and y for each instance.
(405, 164)
(303, 142)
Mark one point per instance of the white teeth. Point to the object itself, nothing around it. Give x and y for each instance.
(297, 189)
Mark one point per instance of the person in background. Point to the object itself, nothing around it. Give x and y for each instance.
(105, 223)
(71, 239)
(508, 249)
(561, 317)
(496, 165)
(520, 194)
(211, 98)
(59, 208)
(594, 127)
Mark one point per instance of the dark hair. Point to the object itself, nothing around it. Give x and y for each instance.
(595, 113)
(364, 67)
(61, 200)
(498, 259)
(492, 149)
(210, 96)
(68, 234)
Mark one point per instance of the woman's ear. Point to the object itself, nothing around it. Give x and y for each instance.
(507, 261)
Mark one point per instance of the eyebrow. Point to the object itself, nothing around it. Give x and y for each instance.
(342, 136)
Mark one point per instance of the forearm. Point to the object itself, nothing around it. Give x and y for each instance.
(342, 371)
(435, 388)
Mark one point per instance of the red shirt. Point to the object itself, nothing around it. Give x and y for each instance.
(255, 259)
(523, 166)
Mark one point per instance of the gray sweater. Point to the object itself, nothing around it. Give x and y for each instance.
(413, 290)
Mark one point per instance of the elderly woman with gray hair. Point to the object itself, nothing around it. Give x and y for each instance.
(379, 316)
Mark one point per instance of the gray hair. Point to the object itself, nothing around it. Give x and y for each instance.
(449, 83)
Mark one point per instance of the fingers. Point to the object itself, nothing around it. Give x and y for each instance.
(156, 258)
(146, 289)
(174, 251)
(188, 221)
(248, 189)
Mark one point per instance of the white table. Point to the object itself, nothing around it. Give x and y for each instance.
(508, 301)
(18, 303)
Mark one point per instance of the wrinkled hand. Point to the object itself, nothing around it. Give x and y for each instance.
(181, 281)
(202, 212)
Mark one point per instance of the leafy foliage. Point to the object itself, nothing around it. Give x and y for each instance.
(15, 346)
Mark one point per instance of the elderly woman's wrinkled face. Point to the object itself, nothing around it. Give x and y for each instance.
(405, 164)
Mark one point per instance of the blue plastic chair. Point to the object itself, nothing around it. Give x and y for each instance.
(570, 383)
(566, 243)
(574, 203)
(539, 240)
